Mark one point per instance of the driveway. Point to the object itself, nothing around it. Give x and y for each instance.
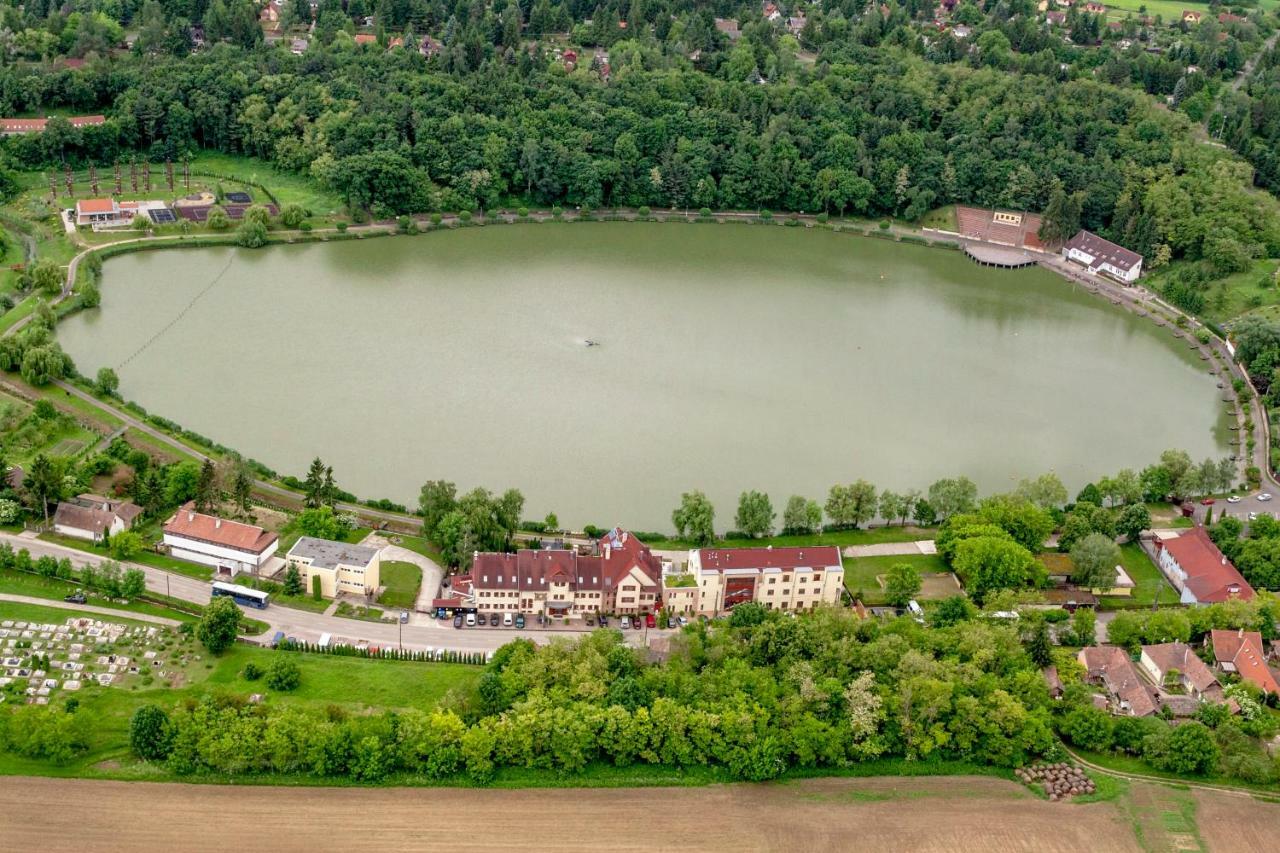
(432, 573)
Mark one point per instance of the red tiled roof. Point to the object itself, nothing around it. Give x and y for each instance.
(96, 205)
(1112, 666)
(188, 523)
(1210, 575)
(366, 38)
(1244, 649)
(818, 557)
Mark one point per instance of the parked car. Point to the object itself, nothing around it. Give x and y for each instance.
(404, 617)
(1234, 499)
(649, 621)
(1265, 496)
(1210, 501)
(604, 621)
(683, 620)
(75, 598)
(626, 622)
(277, 639)
(590, 621)
(507, 620)
(519, 620)
(671, 621)
(457, 621)
(471, 620)
(440, 614)
(495, 620)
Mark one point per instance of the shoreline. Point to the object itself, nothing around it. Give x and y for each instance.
(1134, 300)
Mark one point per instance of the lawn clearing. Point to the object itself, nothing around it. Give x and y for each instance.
(146, 558)
(35, 586)
(1148, 579)
(288, 187)
(862, 574)
(401, 582)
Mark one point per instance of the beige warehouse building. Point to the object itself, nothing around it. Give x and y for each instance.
(342, 568)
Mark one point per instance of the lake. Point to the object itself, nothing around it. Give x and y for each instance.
(729, 357)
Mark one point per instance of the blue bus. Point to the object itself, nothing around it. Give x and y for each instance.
(241, 594)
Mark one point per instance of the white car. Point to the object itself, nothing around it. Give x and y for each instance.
(1234, 499)
(1265, 496)
(1252, 516)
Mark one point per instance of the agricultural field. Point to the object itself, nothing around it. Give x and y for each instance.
(929, 813)
(27, 431)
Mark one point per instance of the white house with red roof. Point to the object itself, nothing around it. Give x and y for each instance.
(779, 578)
(1104, 257)
(1198, 570)
(18, 126)
(231, 547)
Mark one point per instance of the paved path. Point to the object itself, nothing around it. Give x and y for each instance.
(89, 608)
(432, 573)
(891, 549)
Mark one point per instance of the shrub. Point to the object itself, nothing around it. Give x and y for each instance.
(283, 675)
(436, 219)
(342, 227)
(464, 216)
(292, 215)
(150, 733)
(557, 211)
(305, 228)
(523, 213)
(315, 588)
(766, 215)
(705, 213)
(884, 225)
(252, 672)
(823, 217)
(643, 211)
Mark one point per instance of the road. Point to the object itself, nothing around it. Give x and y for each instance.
(426, 633)
(89, 608)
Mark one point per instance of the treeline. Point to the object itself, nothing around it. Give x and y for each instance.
(868, 131)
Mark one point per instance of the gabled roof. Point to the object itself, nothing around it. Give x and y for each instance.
(1117, 672)
(77, 517)
(1210, 575)
(189, 524)
(1180, 656)
(96, 205)
(1244, 650)
(1104, 250)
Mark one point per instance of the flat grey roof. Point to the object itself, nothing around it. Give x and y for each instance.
(327, 554)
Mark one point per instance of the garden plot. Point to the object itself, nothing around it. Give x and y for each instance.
(39, 661)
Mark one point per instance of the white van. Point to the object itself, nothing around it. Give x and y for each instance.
(916, 611)
(471, 620)
(324, 641)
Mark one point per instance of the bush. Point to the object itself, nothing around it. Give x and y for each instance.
(766, 215)
(884, 225)
(823, 217)
(252, 672)
(150, 733)
(283, 675)
(643, 211)
(342, 227)
(523, 213)
(557, 211)
(292, 215)
(705, 212)
(315, 588)
(436, 219)
(464, 216)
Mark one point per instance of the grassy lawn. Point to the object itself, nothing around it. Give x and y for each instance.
(146, 558)
(287, 187)
(21, 583)
(155, 447)
(56, 615)
(22, 309)
(1147, 577)
(943, 218)
(358, 611)
(418, 545)
(860, 573)
(401, 582)
(1252, 291)
(872, 536)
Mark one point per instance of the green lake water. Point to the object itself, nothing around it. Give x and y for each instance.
(730, 357)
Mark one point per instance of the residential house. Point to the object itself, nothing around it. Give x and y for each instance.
(771, 13)
(1198, 570)
(366, 38)
(231, 547)
(1177, 663)
(796, 24)
(1052, 681)
(961, 32)
(1191, 17)
(1110, 666)
(1228, 18)
(430, 47)
(298, 46)
(1102, 256)
(91, 211)
(1056, 18)
(1242, 652)
(16, 126)
(94, 517)
(341, 568)
(729, 28)
(779, 578)
(1095, 8)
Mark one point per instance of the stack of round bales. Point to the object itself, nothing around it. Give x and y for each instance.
(1060, 781)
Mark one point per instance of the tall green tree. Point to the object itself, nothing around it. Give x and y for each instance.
(695, 518)
(755, 514)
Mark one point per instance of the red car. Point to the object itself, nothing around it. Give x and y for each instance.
(1207, 502)
(649, 621)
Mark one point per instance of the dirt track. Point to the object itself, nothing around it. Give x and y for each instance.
(929, 814)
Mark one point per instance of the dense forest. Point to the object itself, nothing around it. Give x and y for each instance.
(876, 125)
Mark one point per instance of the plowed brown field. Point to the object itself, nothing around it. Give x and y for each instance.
(887, 814)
